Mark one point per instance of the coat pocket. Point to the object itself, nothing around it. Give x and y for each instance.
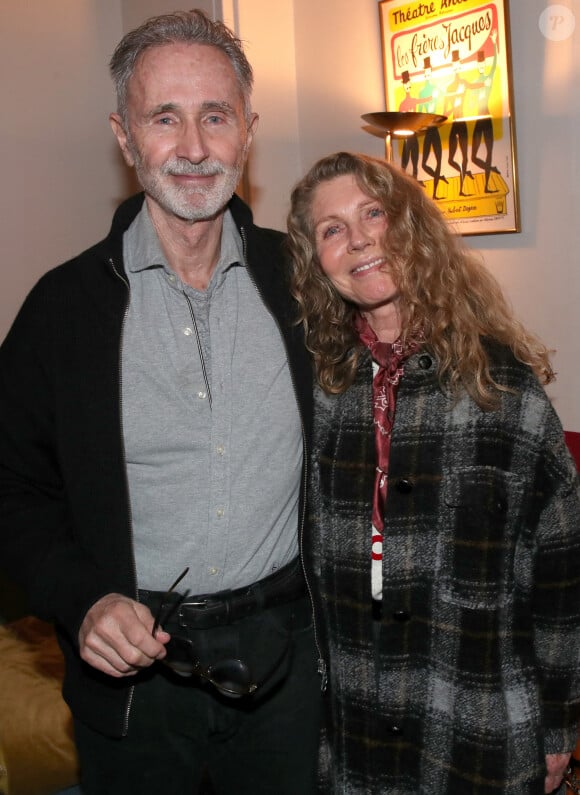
(482, 510)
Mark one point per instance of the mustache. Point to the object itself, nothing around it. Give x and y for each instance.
(179, 166)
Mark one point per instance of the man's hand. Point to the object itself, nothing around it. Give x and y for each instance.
(115, 636)
(556, 765)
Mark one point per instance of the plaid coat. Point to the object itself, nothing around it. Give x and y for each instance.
(471, 676)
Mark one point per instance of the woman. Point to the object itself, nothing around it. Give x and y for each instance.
(445, 509)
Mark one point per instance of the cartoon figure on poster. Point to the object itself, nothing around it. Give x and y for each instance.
(411, 142)
(430, 95)
(483, 130)
(455, 95)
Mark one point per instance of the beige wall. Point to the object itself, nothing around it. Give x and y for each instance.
(60, 178)
(539, 268)
(318, 68)
(134, 12)
(267, 30)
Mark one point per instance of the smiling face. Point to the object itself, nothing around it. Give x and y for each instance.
(349, 228)
(186, 132)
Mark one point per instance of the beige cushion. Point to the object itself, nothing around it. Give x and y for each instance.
(36, 737)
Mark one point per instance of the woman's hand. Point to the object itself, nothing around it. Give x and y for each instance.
(556, 765)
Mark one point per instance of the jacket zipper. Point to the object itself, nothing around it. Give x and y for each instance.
(134, 567)
(322, 667)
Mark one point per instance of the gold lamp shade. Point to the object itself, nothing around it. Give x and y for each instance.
(402, 123)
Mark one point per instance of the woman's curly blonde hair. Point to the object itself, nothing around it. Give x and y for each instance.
(448, 299)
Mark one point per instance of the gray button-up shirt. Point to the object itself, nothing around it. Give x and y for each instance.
(215, 487)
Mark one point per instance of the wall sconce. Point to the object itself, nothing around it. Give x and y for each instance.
(401, 124)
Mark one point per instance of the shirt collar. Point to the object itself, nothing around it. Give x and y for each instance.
(145, 252)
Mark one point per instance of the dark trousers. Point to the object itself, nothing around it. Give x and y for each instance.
(182, 730)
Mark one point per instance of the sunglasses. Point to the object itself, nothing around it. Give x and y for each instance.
(231, 677)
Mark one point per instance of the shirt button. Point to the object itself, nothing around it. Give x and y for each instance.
(187, 331)
(202, 395)
(219, 513)
(171, 277)
(213, 570)
(220, 449)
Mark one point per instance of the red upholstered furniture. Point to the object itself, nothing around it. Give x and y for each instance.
(573, 442)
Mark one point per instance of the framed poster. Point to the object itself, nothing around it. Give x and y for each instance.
(451, 57)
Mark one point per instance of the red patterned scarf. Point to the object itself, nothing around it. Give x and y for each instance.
(390, 357)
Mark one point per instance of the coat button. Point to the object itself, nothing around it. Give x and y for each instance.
(425, 362)
(404, 486)
(401, 615)
(395, 730)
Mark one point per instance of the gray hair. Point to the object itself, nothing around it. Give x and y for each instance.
(189, 27)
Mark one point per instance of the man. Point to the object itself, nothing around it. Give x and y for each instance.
(155, 405)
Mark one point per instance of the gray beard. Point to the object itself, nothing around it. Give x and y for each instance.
(176, 199)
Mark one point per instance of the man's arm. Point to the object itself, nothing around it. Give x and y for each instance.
(48, 478)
